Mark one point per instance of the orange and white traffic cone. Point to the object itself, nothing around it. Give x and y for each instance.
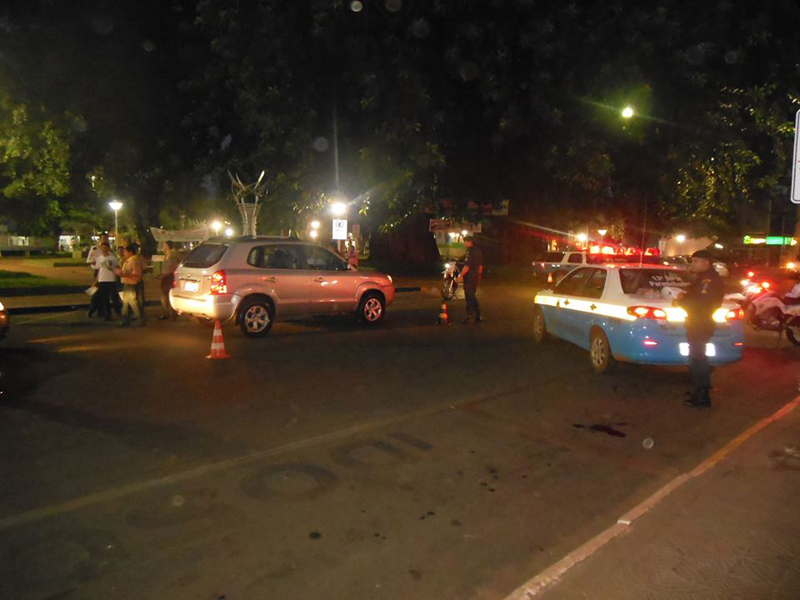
(218, 343)
(549, 278)
(443, 315)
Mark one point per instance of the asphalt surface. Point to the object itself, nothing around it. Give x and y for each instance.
(331, 460)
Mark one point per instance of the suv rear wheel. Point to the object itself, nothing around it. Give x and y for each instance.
(256, 318)
(371, 308)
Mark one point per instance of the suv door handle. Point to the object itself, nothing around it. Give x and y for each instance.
(319, 280)
(269, 279)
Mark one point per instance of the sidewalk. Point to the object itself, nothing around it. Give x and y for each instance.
(153, 293)
(732, 532)
(69, 301)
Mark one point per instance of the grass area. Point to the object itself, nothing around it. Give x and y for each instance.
(19, 279)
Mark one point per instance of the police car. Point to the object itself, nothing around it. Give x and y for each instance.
(625, 313)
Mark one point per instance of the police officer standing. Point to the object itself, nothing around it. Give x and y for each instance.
(701, 299)
(471, 275)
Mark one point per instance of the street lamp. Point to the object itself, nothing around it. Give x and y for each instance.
(314, 224)
(680, 238)
(602, 232)
(313, 234)
(229, 232)
(216, 226)
(115, 205)
(338, 209)
(627, 112)
(582, 237)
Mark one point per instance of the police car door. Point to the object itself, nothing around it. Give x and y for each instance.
(568, 294)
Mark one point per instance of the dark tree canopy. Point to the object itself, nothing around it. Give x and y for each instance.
(433, 100)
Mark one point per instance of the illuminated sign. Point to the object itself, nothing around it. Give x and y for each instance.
(770, 240)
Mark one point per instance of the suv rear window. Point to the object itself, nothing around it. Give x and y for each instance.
(650, 282)
(205, 255)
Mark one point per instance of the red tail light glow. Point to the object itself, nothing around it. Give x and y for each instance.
(647, 312)
(738, 343)
(733, 314)
(766, 285)
(219, 284)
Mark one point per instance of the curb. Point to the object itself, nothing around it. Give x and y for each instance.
(38, 310)
(43, 291)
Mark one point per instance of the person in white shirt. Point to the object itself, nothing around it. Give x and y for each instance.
(106, 265)
(91, 257)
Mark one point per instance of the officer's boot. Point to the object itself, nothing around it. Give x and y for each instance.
(699, 398)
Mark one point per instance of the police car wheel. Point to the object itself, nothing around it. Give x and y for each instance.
(539, 326)
(600, 352)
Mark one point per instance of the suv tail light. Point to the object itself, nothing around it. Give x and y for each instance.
(219, 283)
(647, 312)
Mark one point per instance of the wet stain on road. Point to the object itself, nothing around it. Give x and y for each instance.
(603, 429)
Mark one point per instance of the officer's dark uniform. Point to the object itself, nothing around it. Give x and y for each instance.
(471, 281)
(703, 297)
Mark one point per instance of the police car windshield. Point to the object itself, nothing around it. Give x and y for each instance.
(652, 282)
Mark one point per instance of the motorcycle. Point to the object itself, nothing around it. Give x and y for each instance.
(450, 279)
(768, 311)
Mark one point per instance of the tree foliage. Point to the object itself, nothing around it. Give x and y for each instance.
(433, 100)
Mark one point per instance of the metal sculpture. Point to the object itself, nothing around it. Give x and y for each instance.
(249, 199)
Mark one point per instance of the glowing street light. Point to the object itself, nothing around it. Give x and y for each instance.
(582, 237)
(602, 231)
(115, 205)
(338, 209)
(680, 238)
(313, 234)
(314, 224)
(216, 226)
(627, 112)
(228, 232)
(464, 233)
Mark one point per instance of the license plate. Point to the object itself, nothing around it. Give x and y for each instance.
(191, 286)
(684, 348)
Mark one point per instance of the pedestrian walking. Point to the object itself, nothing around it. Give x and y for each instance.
(107, 265)
(352, 254)
(131, 274)
(91, 259)
(172, 259)
(700, 300)
(471, 276)
(139, 257)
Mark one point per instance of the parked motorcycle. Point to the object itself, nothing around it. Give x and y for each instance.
(450, 279)
(769, 311)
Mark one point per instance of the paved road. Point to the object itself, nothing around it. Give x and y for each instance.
(333, 461)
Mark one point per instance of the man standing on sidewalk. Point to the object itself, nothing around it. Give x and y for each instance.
(107, 266)
(131, 275)
(172, 259)
(91, 259)
(471, 277)
(701, 299)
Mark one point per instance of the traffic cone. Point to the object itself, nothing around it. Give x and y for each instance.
(218, 343)
(443, 315)
(549, 278)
